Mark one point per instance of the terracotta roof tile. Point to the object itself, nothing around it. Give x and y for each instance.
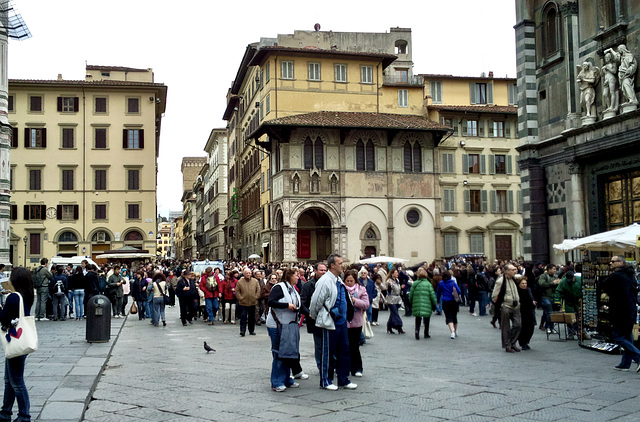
(386, 58)
(359, 120)
(440, 76)
(79, 82)
(476, 108)
(115, 68)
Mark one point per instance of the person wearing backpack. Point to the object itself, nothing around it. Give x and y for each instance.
(41, 278)
(58, 288)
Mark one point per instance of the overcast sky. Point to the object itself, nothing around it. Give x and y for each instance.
(195, 48)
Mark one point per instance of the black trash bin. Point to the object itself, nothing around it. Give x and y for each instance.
(98, 312)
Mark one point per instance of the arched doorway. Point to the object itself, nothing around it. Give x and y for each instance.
(100, 242)
(278, 237)
(314, 235)
(67, 244)
(134, 238)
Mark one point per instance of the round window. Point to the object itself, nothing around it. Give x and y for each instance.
(413, 217)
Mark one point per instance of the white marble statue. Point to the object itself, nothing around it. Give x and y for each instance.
(588, 77)
(627, 67)
(610, 93)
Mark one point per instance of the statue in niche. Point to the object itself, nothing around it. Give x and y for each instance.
(627, 67)
(296, 185)
(610, 94)
(588, 77)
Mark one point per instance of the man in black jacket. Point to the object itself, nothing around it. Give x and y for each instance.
(621, 288)
(187, 294)
(305, 297)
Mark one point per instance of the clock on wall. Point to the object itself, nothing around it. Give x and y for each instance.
(51, 212)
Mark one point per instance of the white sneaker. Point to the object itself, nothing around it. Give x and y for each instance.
(474, 314)
(350, 386)
(279, 389)
(359, 374)
(331, 387)
(45, 319)
(301, 376)
(294, 385)
(456, 333)
(453, 336)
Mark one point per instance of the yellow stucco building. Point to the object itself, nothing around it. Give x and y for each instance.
(83, 163)
(479, 180)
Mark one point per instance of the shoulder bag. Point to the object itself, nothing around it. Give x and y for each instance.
(22, 338)
(166, 298)
(454, 292)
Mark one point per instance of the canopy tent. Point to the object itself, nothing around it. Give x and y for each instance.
(125, 256)
(254, 256)
(618, 240)
(382, 260)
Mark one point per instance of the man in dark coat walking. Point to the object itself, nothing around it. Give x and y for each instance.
(621, 288)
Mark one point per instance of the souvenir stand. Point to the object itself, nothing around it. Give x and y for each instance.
(595, 304)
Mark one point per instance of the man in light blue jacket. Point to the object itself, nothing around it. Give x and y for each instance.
(329, 309)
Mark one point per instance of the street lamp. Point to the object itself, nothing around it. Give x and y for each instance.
(24, 239)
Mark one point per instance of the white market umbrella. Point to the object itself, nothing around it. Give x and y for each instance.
(622, 239)
(382, 259)
(254, 256)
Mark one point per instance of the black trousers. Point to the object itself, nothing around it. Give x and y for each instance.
(427, 320)
(354, 349)
(247, 313)
(187, 308)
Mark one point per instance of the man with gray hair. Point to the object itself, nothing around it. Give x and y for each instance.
(506, 292)
(247, 293)
(329, 308)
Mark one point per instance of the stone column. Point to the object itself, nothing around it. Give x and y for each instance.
(577, 226)
(5, 148)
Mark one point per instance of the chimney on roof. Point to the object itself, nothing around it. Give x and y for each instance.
(59, 76)
(491, 73)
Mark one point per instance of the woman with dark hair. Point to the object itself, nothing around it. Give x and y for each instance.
(360, 300)
(14, 387)
(449, 303)
(159, 290)
(77, 284)
(282, 325)
(393, 301)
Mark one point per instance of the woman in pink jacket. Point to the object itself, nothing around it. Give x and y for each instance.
(360, 300)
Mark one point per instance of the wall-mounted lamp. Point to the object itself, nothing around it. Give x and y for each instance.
(464, 182)
(463, 143)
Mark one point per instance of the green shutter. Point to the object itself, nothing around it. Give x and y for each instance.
(452, 168)
(464, 127)
(492, 164)
(490, 93)
(480, 127)
(494, 200)
(483, 197)
(483, 164)
(472, 92)
(517, 167)
(465, 164)
(519, 198)
(455, 126)
(509, 164)
(467, 201)
(509, 201)
(507, 129)
(490, 129)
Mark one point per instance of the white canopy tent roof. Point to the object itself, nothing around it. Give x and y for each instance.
(382, 260)
(622, 239)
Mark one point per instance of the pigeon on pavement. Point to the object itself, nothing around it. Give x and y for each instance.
(207, 348)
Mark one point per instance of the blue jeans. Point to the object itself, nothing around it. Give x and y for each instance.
(158, 310)
(70, 296)
(463, 295)
(341, 362)
(369, 312)
(147, 308)
(484, 300)
(280, 369)
(15, 390)
(631, 352)
(547, 309)
(212, 307)
(78, 298)
(317, 344)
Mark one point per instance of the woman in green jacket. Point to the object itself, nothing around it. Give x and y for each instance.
(423, 301)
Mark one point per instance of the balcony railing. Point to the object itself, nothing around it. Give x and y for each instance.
(403, 80)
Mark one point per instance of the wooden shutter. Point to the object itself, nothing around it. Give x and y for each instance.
(455, 126)
(445, 164)
(43, 212)
(465, 164)
(319, 153)
(472, 92)
(509, 201)
(480, 127)
(509, 164)
(517, 167)
(26, 212)
(14, 137)
(141, 138)
(494, 201)
(44, 137)
(14, 212)
(507, 129)
(76, 104)
(59, 103)
(492, 164)
(483, 164)
(125, 138)
(464, 127)
(490, 129)
(27, 137)
(75, 212)
(519, 199)
(467, 200)
(483, 200)
(59, 212)
(490, 93)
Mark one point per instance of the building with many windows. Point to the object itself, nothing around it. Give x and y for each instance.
(580, 173)
(164, 240)
(350, 153)
(479, 181)
(215, 195)
(83, 163)
(191, 183)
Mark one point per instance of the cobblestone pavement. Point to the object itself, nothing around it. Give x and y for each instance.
(164, 374)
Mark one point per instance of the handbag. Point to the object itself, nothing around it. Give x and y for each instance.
(134, 308)
(21, 339)
(455, 294)
(366, 329)
(167, 301)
